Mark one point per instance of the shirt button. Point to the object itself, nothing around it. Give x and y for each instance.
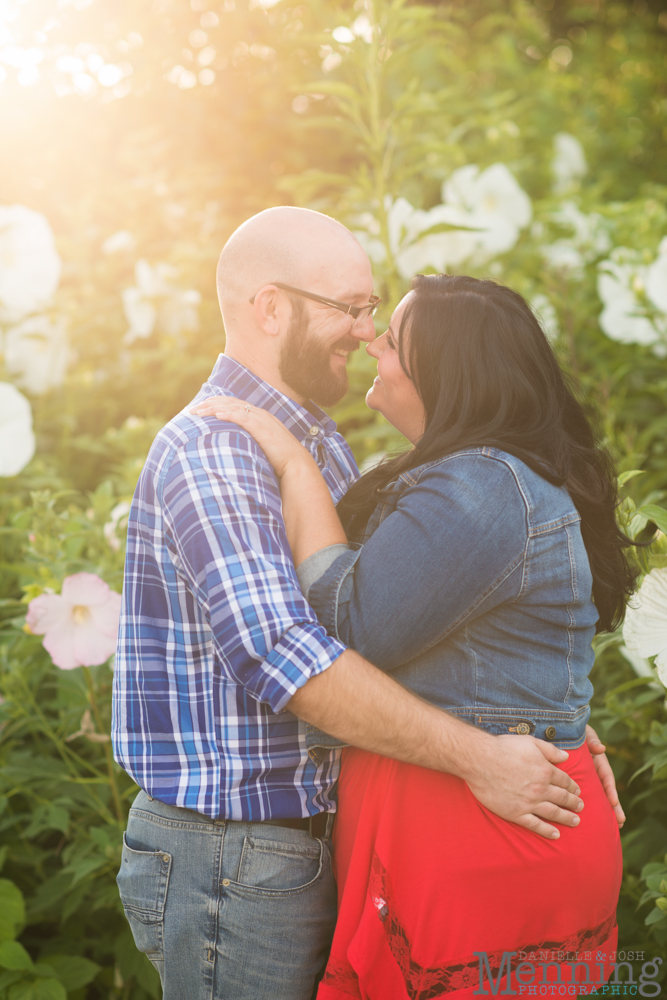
(523, 729)
(314, 430)
(550, 732)
(226, 882)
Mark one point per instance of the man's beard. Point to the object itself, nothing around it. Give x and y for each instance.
(305, 362)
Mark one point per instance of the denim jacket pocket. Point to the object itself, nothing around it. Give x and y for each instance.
(317, 739)
(143, 881)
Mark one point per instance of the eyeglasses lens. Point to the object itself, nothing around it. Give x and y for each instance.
(364, 314)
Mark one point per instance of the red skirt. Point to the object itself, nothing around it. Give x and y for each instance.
(439, 897)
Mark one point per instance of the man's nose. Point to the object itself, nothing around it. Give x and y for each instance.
(364, 331)
(375, 347)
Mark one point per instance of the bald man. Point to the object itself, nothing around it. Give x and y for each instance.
(226, 872)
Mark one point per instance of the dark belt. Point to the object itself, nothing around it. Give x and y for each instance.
(315, 825)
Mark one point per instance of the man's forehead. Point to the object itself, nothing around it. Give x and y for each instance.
(344, 282)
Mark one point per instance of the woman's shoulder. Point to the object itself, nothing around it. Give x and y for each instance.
(492, 474)
(480, 463)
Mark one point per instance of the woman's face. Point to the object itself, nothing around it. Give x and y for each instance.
(392, 392)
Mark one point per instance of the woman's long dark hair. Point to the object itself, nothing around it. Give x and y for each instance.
(487, 376)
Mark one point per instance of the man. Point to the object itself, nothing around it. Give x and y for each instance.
(226, 874)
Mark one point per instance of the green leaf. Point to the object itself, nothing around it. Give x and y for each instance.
(656, 514)
(653, 867)
(662, 903)
(14, 956)
(41, 989)
(12, 910)
(86, 866)
(50, 893)
(72, 970)
(605, 640)
(656, 916)
(625, 477)
(8, 979)
(654, 881)
(49, 989)
(22, 991)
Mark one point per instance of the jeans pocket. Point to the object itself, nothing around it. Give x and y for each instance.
(278, 867)
(143, 881)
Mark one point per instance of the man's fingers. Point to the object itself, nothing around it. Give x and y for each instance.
(536, 825)
(563, 780)
(554, 814)
(564, 800)
(553, 754)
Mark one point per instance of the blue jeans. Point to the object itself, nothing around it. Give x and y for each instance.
(227, 910)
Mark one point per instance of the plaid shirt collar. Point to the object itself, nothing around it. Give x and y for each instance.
(234, 378)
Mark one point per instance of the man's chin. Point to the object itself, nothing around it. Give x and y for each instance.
(330, 394)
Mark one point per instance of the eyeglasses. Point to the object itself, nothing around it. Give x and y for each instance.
(359, 313)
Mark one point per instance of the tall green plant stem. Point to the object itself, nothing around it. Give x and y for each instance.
(92, 698)
(380, 140)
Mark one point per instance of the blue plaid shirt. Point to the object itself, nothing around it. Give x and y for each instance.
(215, 635)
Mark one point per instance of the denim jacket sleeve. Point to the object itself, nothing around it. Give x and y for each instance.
(453, 547)
(315, 566)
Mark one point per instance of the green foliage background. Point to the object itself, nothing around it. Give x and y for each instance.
(439, 85)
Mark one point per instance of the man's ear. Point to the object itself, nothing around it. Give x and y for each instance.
(272, 310)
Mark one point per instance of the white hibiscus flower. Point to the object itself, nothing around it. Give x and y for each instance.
(492, 203)
(484, 213)
(17, 441)
(645, 628)
(117, 522)
(621, 279)
(589, 240)
(156, 301)
(569, 162)
(29, 262)
(656, 278)
(546, 313)
(37, 353)
(118, 242)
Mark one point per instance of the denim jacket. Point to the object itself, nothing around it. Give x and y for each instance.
(472, 587)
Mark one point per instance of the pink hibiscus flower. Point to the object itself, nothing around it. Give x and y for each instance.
(80, 624)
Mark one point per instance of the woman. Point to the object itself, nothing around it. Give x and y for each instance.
(475, 567)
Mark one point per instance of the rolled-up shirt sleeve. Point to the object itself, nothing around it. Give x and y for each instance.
(226, 538)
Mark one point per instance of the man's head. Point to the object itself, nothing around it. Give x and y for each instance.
(294, 343)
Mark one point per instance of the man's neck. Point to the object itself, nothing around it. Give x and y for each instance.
(266, 371)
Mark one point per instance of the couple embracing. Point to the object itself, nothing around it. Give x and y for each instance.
(407, 651)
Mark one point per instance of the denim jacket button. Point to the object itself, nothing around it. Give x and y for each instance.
(314, 756)
(523, 729)
(550, 732)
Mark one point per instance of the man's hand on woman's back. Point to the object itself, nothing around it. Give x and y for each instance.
(518, 780)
